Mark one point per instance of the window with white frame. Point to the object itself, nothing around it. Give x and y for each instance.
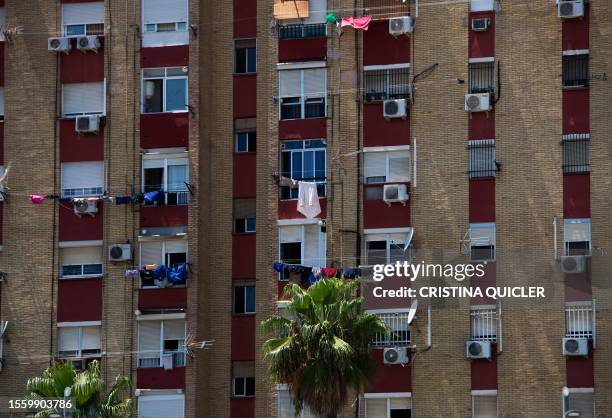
(165, 23)
(483, 323)
(161, 343)
(154, 252)
(81, 261)
(387, 406)
(481, 5)
(80, 19)
(399, 330)
(285, 405)
(484, 404)
(83, 99)
(161, 404)
(78, 341)
(244, 299)
(386, 164)
(245, 135)
(579, 402)
(245, 56)
(303, 161)
(82, 179)
(577, 236)
(482, 241)
(387, 247)
(386, 82)
(302, 91)
(244, 215)
(2, 23)
(579, 319)
(164, 89)
(243, 379)
(167, 173)
(303, 244)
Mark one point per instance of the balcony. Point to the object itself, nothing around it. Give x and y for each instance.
(302, 31)
(386, 9)
(386, 84)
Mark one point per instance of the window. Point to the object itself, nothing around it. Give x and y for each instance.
(482, 242)
(170, 252)
(302, 93)
(483, 323)
(391, 407)
(244, 299)
(580, 402)
(301, 31)
(481, 76)
(2, 37)
(245, 56)
(82, 179)
(80, 19)
(243, 376)
(579, 319)
(481, 158)
(484, 405)
(386, 82)
(244, 215)
(302, 244)
(83, 99)
(399, 333)
(1, 103)
(285, 405)
(245, 137)
(576, 153)
(387, 248)
(79, 341)
(387, 165)
(161, 343)
(577, 236)
(80, 261)
(164, 89)
(165, 22)
(168, 174)
(305, 161)
(481, 5)
(158, 405)
(575, 69)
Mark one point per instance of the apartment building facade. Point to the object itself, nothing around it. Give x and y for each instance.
(147, 143)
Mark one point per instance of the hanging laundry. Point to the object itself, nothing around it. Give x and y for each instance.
(151, 197)
(123, 200)
(308, 199)
(160, 273)
(305, 275)
(329, 271)
(315, 274)
(359, 23)
(37, 199)
(287, 182)
(137, 198)
(177, 274)
(278, 266)
(146, 274)
(132, 274)
(331, 18)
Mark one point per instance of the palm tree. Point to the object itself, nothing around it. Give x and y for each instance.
(320, 346)
(87, 389)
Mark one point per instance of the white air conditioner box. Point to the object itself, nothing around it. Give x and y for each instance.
(83, 206)
(575, 346)
(393, 193)
(478, 349)
(88, 43)
(395, 108)
(480, 102)
(401, 25)
(119, 252)
(87, 124)
(396, 355)
(480, 24)
(572, 264)
(569, 9)
(59, 45)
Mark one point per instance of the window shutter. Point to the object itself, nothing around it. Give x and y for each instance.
(245, 125)
(482, 235)
(376, 408)
(582, 402)
(481, 5)
(174, 329)
(399, 166)
(317, 9)
(90, 338)
(149, 338)
(243, 369)
(244, 208)
(176, 246)
(290, 234)
(1, 100)
(400, 403)
(150, 253)
(375, 165)
(80, 13)
(285, 407)
(163, 406)
(165, 11)
(577, 230)
(83, 98)
(290, 84)
(311, 246)
(68, 339)
(81, 255)
(83, 175)
(315, 81)
(485, 406)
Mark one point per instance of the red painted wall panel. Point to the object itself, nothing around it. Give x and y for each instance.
(484, 374)
(287, 209)
(482, 44)
(575, 32)
(244, 175)
(481, 125)
(578, 287)
(163, 130)
(245, 19)
(579, 372)
(577, 195)
(381, 48)
(166, 298)
(75, 228)
(389, 378)
(377, 214)
(245, 96)
(171, 215)
(1, 62)
(243, 337)
(242, 408)
(243, 256)
(482, 200)
(83, 147)
(378, 131)
(576, 111)
(79, 300)
(167, 56)
(302, 128)
(80, 67)
(158, 378)
(295, 50)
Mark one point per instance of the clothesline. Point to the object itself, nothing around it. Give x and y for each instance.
(313, 274)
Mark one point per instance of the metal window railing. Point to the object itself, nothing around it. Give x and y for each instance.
(579, 321)
(483, 324)
(481, 158)
(386, 84)
(481, 76)
(576, 70)
(168, 198)
(385, 9)
(576, 153)
(399, 333)
(302, 31)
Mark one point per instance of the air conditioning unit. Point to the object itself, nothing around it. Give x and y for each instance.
(401, 25)
(393, 193)
(88, 43)
(569, 9)
(397, 355)
(59, 44)
(478, 349)
(83, 206)
(87, 124)
(395, 108)
(480, 24)
(480, 102)
(119, 252)
(575, 346)
(572, 264)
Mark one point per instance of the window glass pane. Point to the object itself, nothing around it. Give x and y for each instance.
(241, 142)
(153, 96)
(376, 252)
(153, 179)
(181, 26)
(150, 27)
(250, 299)
(239, 386)
(92, 269)
(251, 60)
(240, 225)
(252, 141)
(291, 108)
(308, 173)
(166, 27)
(75, 30)
(173, 259)
(397, 253)
(241, 60)
(291, 253)
(176, 94)
(250, 386)
(320, 172)
(177, 177)
(239, 303)
(296, 166)
(250, 224)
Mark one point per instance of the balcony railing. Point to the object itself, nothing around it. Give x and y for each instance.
(579, 321)
(386, 9)
(287, 193)
(481, 76)
(386, 84)
(483, 324)
(153, 360)
(298, 31)
(168, 198)
(399, 333)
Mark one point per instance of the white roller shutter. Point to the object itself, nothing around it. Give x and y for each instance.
(290, 234)
(149, 338)
(582, 402)
(81, 255)
(482, 234)
(151, 253)
(161, 406)
(315, 82)
(243, 369)
(481, 5)
(176, 246)
(399, 166)
(290, 84)
(83, 98)
(485, 407)
(174, 329)
(400, 403)
(376, 408)
(83, 175)
(577, 230)
(165, 11)
(68, 339)
(311, 246)
(90, 338)
(81, 13)
(375, 165)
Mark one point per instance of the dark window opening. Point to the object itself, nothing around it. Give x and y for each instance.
(481, 76)
(576, 70)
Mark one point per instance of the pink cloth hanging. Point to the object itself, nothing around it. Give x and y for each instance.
(360, 23)
(37, 199)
